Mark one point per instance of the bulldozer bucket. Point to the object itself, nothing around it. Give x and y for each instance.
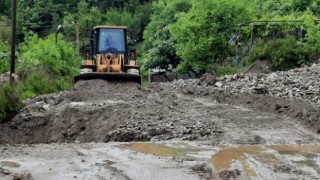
(112, 77)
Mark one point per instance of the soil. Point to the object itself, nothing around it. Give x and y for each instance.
(230, 111)
(100, 111)
(260, 67)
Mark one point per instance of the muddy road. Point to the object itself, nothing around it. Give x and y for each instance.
(241, 127)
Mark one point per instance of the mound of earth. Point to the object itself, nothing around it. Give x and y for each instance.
(101, 111)
(259, 67)
(294, 93)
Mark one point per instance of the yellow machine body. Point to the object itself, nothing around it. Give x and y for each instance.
(109, 59)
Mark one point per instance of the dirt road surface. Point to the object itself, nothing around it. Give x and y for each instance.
(239, 127)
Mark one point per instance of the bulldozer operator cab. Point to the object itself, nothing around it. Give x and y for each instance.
(109, 58)
(111, 40)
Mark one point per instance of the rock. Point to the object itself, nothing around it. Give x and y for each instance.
(260, 89)
(6, 77)
(218, 84)
(295, 81)
(207, 80)
(313, 66)
(4, 171)
(46, 107)
(24, 176)
(272, 77)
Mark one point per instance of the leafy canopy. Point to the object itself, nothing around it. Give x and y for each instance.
(201, 34)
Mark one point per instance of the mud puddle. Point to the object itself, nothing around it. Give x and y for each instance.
(9, 164)
(161, 150)
(254, 162)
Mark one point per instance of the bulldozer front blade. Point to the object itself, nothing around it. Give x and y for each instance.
(112, 77)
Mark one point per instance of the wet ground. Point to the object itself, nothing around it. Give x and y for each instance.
(160, 160)
(165, 131)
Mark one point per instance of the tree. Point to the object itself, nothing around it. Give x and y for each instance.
(202, 33)
(158, 45)
(134, 15)
(5, 8)
(85, 18)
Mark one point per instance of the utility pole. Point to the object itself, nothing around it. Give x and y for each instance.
(13, 39)
(78, 35)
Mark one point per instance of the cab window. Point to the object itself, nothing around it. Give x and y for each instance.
(111, 40)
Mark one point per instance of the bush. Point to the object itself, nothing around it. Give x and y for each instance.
(5, 30)
(158, 45)
(10, 102)
(226, 70)
(4, 57)
(283, 53)
(46, 67)
(201, 33)
(41, 82)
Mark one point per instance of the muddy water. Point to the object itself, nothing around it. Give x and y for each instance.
(223, 159)
(159, 150)
(254, 161)
(9, 164)
(266, 155)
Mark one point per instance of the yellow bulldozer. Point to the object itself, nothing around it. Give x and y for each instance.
(108, 57)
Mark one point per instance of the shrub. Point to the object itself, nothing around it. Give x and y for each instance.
(4, 57)
(226, 70)
(46, 67)
(41, 82)
(200, 33)
(10, 102)
(284, 53)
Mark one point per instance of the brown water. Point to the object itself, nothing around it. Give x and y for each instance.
(159, 150)
(224, 159)
(9, 164)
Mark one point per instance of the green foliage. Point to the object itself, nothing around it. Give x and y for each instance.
(46, 67)
(159, 45)
(200, 33)
(4, 57)
(41, 82)
(226, 70)
(301, 6)
(5, 29)
(43, 16)
(84, 17)
(283, 53)
(10, 102)
(133, 14)
(312, 28)
(5, 7)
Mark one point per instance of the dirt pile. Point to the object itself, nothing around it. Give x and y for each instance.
(294, 93)
(260, 67)
(100, 111)
(300, 83)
